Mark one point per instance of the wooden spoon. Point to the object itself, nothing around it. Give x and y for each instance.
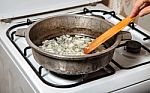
(107, 35)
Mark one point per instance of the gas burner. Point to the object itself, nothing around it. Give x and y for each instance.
(131, 54)
(132, 49)
(133, 46)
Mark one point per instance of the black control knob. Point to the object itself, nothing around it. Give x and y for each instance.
(133, 46)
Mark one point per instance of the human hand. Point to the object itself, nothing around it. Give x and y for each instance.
(141, 8)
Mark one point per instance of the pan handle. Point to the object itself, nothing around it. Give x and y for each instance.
(21, 32)
(125, 35)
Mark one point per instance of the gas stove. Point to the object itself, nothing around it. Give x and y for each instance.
(127, 72)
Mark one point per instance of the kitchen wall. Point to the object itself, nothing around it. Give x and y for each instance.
(124, 8)
(145, 22)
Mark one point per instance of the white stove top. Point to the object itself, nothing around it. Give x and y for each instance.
(113, 83)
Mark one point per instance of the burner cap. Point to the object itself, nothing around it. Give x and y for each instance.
(133, 46)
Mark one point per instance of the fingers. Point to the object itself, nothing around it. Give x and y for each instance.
(144, 11)
(137, 7)
(134, 12)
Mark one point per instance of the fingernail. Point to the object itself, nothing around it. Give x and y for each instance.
(141, 15)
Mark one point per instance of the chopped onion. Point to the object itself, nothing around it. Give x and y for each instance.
(68, 45)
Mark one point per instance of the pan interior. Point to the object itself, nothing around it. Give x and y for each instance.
(73, 25)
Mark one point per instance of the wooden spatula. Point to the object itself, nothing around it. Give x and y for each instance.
(107, 35)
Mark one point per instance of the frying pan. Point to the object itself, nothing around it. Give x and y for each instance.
(71, 24)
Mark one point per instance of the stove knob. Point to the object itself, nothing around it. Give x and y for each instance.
(133, 46)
